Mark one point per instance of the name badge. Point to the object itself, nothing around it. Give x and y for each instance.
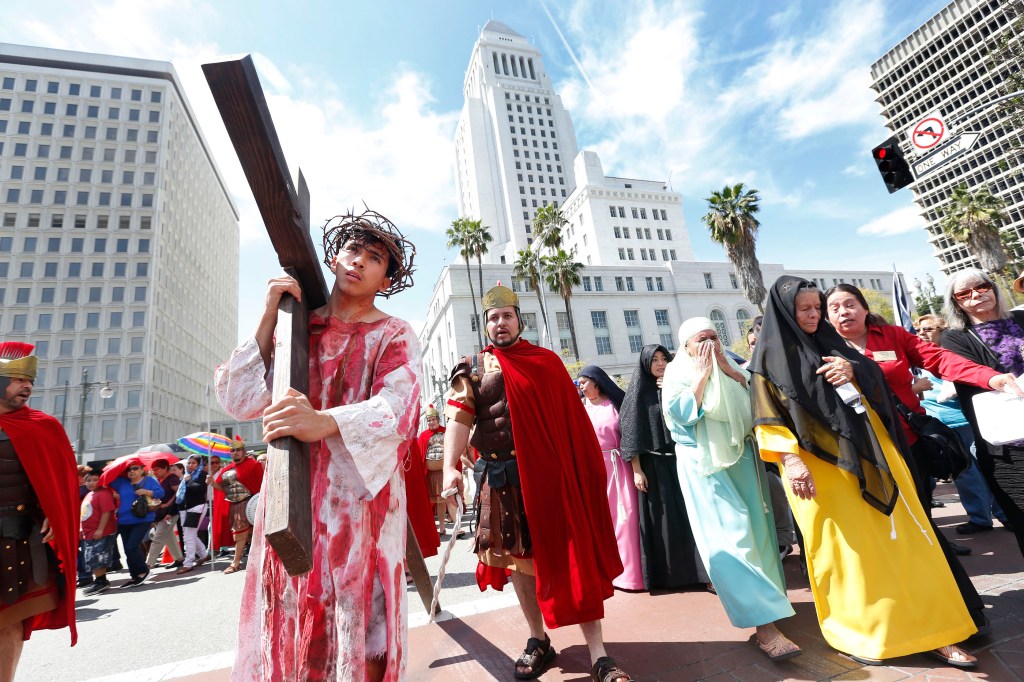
(884, 356)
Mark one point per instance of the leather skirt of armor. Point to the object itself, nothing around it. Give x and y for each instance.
(27, 566)
(501, 526)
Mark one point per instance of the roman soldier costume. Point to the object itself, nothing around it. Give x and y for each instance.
(240, 482)
(38, 481)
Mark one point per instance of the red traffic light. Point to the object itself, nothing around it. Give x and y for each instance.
(881, 153)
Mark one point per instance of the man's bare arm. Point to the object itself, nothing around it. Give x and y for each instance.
(456, 438)
(268, 321)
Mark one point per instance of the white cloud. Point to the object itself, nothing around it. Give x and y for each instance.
(398, 160)
(815, 84)
(900, 221)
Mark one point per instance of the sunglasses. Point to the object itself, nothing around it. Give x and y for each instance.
(965, 294)
(134, 468)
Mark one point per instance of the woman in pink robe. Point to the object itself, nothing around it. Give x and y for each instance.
(601, 397)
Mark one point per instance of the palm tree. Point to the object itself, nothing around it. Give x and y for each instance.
(973, 219)
(477, 237)
(563, 273)
(548, 225)
(458, 238)
(733, 225)
(528, 269)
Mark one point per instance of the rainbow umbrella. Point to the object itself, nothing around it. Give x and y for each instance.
(205, 443)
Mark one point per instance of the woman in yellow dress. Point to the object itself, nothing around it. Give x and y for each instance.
(881, 585)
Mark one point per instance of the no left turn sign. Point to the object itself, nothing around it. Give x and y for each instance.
(927, 133)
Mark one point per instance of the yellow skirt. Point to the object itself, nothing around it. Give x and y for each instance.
(881, 585)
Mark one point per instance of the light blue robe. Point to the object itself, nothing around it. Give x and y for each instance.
(730, 517)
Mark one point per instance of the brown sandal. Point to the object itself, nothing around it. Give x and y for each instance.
(537, 656)
(231, 569)
(606, 670)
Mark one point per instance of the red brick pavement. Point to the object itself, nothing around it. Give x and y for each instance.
(684, 636)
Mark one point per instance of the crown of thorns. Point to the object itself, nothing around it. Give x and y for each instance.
(372, 226)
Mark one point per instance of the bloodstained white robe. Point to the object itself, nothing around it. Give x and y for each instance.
(313, 627)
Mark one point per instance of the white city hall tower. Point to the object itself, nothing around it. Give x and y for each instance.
(515, 143)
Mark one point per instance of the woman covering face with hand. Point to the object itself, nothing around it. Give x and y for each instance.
(880, 582)
(707, 409)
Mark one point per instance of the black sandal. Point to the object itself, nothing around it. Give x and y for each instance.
(606, 670)
(537, 656)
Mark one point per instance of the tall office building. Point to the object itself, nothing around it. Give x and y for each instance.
(944, 66)
(515, 152)
(514, 144)
(118, 246)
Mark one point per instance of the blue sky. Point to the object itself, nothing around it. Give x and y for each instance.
(366, 95)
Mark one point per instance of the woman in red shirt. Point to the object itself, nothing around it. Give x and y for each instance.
(897, 351)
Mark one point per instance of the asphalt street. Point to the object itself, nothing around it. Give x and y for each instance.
(172, 618)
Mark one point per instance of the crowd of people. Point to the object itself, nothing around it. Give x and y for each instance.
(714, 467)
(166, 515)
(814, 412)
(704, 472)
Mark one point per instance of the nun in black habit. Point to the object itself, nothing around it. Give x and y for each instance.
(670, 558)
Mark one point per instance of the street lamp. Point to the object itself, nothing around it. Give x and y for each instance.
(440, 385)
(927, 290)
(87, 386)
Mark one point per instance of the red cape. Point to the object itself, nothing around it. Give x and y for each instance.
(421, 512)
(49, 463)
(564, 483)
(220, 525)
(249, 474)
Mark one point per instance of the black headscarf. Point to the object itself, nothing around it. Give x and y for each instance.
(788, 358)
(604, 382)
(640, 419)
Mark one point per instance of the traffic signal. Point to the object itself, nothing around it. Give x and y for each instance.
(895, 170)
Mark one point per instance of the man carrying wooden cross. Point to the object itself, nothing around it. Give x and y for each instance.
(345, 619)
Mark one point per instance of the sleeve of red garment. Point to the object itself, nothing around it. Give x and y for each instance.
(943, 363)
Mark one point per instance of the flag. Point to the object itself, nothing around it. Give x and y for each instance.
(900, 303)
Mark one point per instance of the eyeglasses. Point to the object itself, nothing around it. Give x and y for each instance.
(965, 294)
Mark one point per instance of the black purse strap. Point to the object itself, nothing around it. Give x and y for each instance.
(902, 408)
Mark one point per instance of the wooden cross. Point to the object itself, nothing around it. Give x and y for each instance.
(288, 524)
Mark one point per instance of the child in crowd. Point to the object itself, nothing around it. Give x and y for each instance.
(99, 526)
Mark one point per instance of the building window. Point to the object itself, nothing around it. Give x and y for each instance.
(598, 284)
(599, 319)
(661, 318)
(743, 320)
(620, 284)
(708, 282)
(650, 283)
(733, 281)
(717, 318)
(586, 284)
(604, 345)
(629, 284)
